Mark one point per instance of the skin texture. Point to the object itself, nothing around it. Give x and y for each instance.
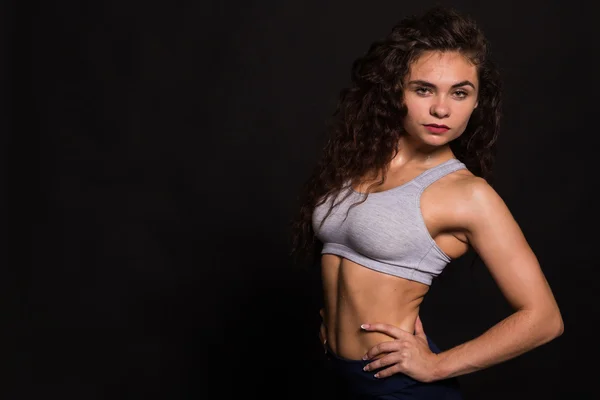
(371, 315)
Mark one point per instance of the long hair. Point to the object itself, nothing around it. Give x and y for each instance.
(368, 120)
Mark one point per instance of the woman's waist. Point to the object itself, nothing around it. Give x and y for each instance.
(355, 295)
(346, 339)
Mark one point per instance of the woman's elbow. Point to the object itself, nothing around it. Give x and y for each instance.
(547, 324)
(559, 325)
(554, 325)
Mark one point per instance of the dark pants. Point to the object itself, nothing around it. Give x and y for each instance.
(354, 383)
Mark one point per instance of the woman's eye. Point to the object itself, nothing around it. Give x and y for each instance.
(461, 94)
(422, 90)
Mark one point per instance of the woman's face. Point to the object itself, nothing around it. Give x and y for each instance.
(440, 93)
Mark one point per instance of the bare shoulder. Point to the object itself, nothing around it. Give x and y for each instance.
(470, 188)
(461, 186)
(466, 199)
(473, 200)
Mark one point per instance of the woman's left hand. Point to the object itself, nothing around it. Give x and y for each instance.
(407, 353)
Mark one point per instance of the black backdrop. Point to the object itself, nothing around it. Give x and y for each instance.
(156, 156)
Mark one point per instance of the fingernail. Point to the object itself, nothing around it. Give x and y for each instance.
(376, 375)
(364, 326)
(364, 357)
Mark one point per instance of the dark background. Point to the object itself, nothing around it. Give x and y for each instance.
(155, 158)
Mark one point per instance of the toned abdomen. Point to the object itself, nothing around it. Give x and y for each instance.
(355, 295)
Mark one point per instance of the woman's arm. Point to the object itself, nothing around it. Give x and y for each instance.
(323, 330)
(496, 237)
(494, 234)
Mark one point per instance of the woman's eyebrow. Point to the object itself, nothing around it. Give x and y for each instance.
(431, 85)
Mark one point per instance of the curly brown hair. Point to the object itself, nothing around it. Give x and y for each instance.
(368, 120)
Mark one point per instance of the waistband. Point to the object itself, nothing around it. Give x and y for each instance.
(350, 375)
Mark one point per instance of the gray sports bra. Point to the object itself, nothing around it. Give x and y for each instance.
(387, 232)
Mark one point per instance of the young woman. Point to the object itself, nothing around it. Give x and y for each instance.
(401, 190)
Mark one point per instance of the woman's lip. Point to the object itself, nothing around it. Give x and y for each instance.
(436, 128)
